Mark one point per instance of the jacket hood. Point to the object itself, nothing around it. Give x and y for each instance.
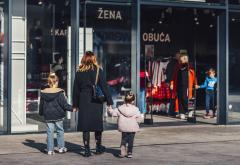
(128, 110)
(210, 78)
(50, 94)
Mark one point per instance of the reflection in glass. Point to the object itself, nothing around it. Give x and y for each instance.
(234, 67)
(108, 34)
(47, 50)
(3, 113)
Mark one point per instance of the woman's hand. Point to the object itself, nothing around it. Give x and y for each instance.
(75, 109)
(109, 107)
(197, 86)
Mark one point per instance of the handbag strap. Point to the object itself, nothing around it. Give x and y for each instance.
(96, 80)
(122, 113)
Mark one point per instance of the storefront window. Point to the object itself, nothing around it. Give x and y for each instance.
(47, 51)
(108, 34)
(234, 2)
(234, 67)
(166, 32)
(3, 21)
(202, 1)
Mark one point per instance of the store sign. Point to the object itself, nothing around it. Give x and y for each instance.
(105, 14)
(195, 0)
(156, 37)
(59, 32)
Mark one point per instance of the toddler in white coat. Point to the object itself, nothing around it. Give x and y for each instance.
(128, 118)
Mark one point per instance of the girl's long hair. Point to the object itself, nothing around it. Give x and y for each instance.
(89, 61)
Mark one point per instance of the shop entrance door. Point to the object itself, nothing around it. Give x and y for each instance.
(166, 32)
(105, 29)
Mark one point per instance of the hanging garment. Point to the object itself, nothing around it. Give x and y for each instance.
(162, 72)
(155, 73)
(164, 91)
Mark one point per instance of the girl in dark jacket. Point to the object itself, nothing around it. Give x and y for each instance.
(53, 107)
(90, 113)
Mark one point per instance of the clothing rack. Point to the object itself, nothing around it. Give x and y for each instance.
(150, 79)
(159, 58)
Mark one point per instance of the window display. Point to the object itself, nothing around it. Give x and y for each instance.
(234, 2)
(234, 60)
(165, 36)
(157, 89)
(46, 49)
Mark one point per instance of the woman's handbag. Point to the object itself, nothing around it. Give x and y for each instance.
(98, 95)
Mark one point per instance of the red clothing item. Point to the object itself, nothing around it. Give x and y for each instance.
(115, 81)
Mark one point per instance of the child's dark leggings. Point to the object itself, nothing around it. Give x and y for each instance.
(128, 138)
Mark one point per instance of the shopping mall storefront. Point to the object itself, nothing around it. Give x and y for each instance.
(127, 36)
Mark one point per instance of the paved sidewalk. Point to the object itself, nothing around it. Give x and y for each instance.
(182, 145)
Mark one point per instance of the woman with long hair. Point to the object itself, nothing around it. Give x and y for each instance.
(90, 112)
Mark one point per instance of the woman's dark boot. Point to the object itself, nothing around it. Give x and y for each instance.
(87, 152)
(86, 139)
(99, 147)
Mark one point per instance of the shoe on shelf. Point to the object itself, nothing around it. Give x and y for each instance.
(190, 114)
(50, 152)
(100, 149)
(182, 117)
(62, 150)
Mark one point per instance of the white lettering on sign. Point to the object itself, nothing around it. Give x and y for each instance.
(109, 14)
(59, 32)
(156, 37)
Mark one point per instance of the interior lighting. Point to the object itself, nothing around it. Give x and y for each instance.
(40, 2)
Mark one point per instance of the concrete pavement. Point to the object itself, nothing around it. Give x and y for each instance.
(174, 145)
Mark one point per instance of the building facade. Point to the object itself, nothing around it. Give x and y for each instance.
(126, 35)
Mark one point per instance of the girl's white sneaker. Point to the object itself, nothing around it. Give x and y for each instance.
(62, 150)
(51, 153)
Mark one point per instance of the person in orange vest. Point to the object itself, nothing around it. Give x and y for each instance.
(182, 84)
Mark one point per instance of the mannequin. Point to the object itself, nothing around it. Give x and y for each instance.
(182, 84)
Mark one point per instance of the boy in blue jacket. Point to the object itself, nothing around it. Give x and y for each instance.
(209, 85)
